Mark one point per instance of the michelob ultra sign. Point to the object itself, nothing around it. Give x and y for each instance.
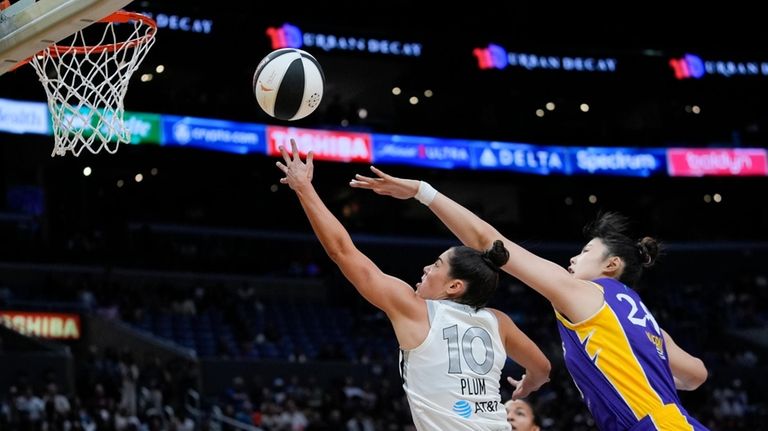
(64, 326)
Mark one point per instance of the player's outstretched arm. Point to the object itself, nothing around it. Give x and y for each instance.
(393, 296)
(577, 299)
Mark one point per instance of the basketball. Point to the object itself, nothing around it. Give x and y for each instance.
(288, 84)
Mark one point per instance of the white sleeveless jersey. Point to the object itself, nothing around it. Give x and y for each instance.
(452, 378)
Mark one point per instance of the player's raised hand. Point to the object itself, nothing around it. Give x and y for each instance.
(386, 185)
(522, 389)
(297, 173)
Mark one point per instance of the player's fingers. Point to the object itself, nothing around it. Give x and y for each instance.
(284, 153)
(310, 165)
(283, 180)
(295, 150)
(281, 166)
(379, 172)
(365, 179)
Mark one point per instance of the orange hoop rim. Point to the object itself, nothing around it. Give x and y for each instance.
(118, 17)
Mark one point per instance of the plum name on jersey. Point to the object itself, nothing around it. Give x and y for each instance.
(473, 386)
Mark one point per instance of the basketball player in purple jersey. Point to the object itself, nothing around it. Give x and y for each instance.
(625, 366)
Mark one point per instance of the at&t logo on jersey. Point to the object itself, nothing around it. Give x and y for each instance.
(462, 408)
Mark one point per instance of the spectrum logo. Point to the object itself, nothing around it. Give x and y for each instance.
(689, 66)
(496, 57)
(290, 36)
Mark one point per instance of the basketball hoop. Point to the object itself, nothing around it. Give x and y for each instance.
(86, 82)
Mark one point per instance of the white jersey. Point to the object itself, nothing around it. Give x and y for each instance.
(452, 378)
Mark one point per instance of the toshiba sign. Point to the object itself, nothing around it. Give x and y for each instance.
(43, 325)
(325, 144)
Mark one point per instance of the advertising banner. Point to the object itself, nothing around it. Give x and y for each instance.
(524, 158)
(627, 162)
(697, 162)
(326, 144)
(422, 151)
(220, 135)
(24, 117)
(43, 324)
(144, 128)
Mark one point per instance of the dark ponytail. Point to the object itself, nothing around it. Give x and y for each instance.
(479, 270)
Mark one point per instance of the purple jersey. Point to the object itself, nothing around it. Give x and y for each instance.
(618, 360)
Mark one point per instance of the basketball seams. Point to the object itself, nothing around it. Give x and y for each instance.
(315, 62)
(271, 56)
(288, 87)
(290, 94)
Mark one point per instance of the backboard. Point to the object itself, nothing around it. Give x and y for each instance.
(29, 26)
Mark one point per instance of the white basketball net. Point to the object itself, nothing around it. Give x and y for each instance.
(86, 81)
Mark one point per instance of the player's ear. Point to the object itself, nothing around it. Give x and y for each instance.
(456, 288)
(613, 265)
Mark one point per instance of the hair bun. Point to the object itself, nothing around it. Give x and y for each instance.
(648, 248)
(497, 255)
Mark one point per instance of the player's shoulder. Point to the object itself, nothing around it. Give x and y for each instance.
(501, 317)
(610, 285)
(505, 325)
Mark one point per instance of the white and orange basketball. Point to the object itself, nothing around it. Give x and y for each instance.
(288, 84)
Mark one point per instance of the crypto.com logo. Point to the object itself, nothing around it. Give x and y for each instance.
(689, 66)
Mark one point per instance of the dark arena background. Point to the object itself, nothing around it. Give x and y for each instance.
(177, 285)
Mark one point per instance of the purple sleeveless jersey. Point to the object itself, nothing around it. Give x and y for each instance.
(618, 360)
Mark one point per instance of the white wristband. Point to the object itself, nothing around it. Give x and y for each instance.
(426, 193)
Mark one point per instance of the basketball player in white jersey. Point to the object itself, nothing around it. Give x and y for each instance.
(452, 347)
